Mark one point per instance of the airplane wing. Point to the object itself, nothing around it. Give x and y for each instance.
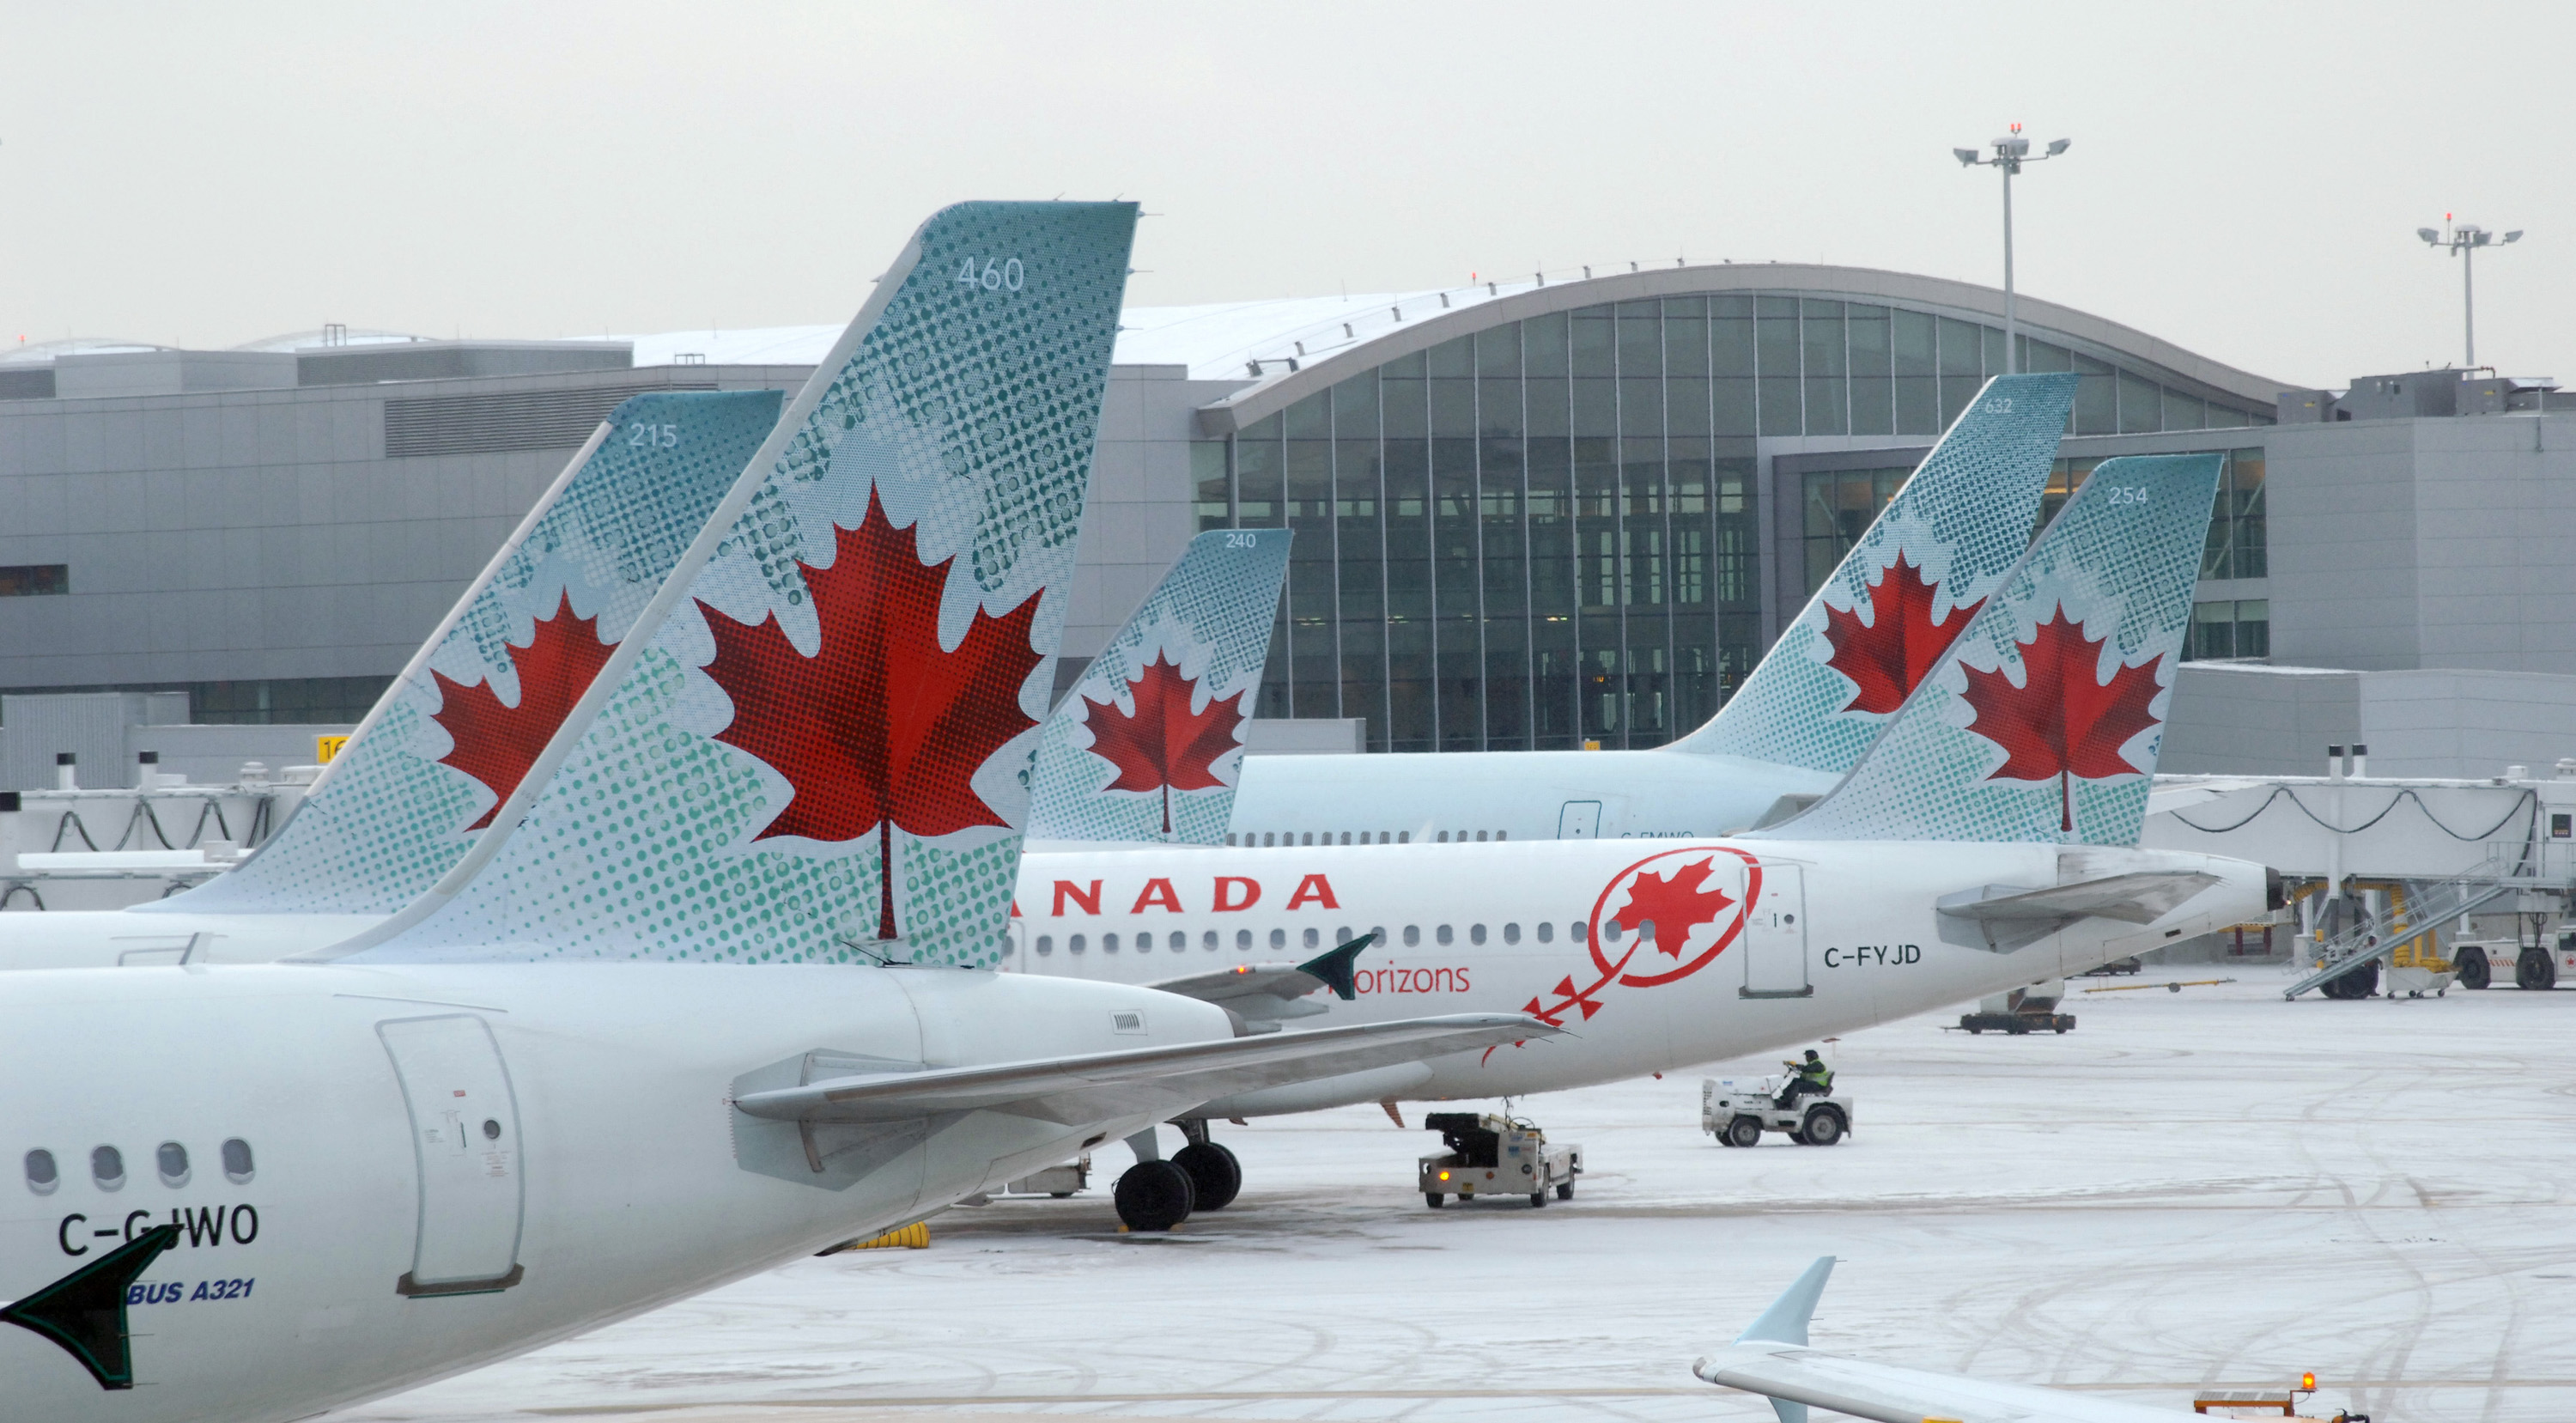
(1811, 1378)
(1262, 997)
(1771, 1358)
(1093, 1086)
(2006, 917)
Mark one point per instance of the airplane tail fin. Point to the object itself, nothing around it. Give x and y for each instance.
(814, 747)
(2044, 719)
(1147, 747)
(1907, 587)
(419, 781)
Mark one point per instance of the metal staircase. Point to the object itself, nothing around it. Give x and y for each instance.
(2417, 912)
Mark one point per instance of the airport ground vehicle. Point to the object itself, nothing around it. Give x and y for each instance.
(1496, 1156)
(2538, 964)
(2031, 1009)
(1738, 1111)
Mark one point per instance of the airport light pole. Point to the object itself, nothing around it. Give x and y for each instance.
(2464, 241)
(2011, 152)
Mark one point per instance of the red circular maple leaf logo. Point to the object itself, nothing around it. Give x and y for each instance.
(1685, 898)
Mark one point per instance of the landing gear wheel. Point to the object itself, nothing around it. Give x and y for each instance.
(1823, 1127)
(1215, 1176)
(1538, 1200)
(1565, 1190)
(2475, 972)
(2536, 969)
(1744, 1131)
(1154, 1195)
(1433, 1199)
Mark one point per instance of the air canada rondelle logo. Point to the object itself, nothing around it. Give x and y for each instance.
(1695, 905)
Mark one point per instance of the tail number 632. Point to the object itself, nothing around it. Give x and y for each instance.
(992, 276)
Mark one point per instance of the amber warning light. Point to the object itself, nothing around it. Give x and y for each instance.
(2308, 1383)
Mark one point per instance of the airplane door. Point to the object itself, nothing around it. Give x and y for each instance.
(1775, 936)
(465, 1139)
(1579, 820)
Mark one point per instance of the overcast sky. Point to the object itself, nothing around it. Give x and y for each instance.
(2245, 179)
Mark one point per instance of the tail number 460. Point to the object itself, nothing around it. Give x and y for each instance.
(992, 276)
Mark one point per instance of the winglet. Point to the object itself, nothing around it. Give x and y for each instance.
(1785, 1322)
(1334, 967)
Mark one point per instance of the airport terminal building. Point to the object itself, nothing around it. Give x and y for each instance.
(1542, 514)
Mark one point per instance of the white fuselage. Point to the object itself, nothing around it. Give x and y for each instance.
(1491, 928)
(1439, 798)
(1841, 935)
(614, 1175)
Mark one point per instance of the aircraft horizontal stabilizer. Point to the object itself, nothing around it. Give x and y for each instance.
(1097, 1086)
(2141, 898)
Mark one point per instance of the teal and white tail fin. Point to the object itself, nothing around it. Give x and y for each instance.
(1149, 744)
(814, 748)
(2044, 719)
(419, 781)
(1904, 590)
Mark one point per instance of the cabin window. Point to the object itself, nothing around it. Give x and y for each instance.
(1511, 933)
(1613, 930)
(107, 1168)
(42, 1178)
(1578, 932)
(1341, 936)
(1502, 835)
(172, 1161)
(1475, 933)
(1046, 945)
(1346, 837)
(237, 1163)
(1243, 940)
(1278, 938)
(1412, 935)
(1480, 837)
(1180, 941)
(1268, 839)
(1229, 838)
(1444, 837)
(1546, 931)
(1208, 941)
(1075, 944)
(1313, 938)
(1404, 837)
(1109, 943)
(1443, 934)
(1378, 934)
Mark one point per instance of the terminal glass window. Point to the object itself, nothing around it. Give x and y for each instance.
(1545, 533)
(1838, 506)
(35, 580)
(2239, 628)
(2236, 546)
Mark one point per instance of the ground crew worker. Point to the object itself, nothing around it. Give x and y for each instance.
(1813, 1079)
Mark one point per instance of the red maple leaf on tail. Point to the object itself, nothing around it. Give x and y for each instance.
(1163, 746)
(2061, 722)
(881, 727)
(496, 743)
(1674, 903)
(1888, 657)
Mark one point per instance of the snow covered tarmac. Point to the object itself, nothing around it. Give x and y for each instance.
(2210, 1187)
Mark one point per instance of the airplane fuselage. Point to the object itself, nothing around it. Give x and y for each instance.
(1785, 942)
(387, 1175)
(1441, 798)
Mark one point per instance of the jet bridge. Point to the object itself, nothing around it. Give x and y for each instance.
(2381, 864)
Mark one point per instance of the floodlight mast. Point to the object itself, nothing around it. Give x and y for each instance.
(2011, 152)
(2464, 241)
